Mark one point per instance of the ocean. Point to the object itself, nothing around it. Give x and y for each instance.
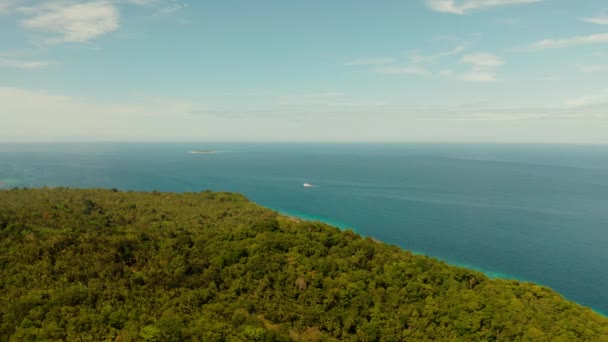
(529, 212)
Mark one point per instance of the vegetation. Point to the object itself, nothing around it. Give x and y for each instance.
(105, 265)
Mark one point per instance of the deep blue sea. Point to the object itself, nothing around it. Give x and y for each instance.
(529, 212)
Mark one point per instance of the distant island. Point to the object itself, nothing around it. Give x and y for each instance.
(106, 265)
(203, 152)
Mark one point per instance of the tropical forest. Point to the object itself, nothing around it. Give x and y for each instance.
(111, 265)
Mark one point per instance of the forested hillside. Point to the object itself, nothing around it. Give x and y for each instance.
(105, 265)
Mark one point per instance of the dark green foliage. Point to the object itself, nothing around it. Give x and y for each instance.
(105, 265)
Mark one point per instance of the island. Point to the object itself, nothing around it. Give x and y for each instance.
(203, 152)
(107, 265)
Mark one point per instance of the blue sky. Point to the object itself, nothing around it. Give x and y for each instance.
(409, 70)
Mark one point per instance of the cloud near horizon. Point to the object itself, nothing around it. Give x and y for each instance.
(593, 69)
(38, 115)
(599, 98)
(46, 115)
(22, 64)
(599, 38)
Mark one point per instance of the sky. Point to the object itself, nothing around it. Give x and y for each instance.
(522, 71)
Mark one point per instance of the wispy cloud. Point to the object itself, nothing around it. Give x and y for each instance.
(544, 78)
(600, 38)
(547, 113)
(369, 61)
(171, 8)
(500, 116)
(323, 102)
(389, 66)
(446, 73)
(22, 64)
(593, 69)
(418, 58)
(510, 21)
(163, 7)
(314, 96)
(482, 60)
(142, 2)
(461, 7)
(72, 22)
(396, 70)
(483, 67)
(600, 19)
(479, 76)
(600, 98)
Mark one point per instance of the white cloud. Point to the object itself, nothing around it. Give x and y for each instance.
(593, 69)
(369, 61)
(22, 64)
(395, 70)
(417, 58)
(600, 38)
(461, 7)
(70, 21)
(600, 98)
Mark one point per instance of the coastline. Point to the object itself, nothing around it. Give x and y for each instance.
(307, 217)
(8, 183)
(487, 273)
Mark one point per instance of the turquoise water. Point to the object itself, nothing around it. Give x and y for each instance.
(528, 212)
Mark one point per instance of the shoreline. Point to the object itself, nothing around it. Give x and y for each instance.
(490, 274)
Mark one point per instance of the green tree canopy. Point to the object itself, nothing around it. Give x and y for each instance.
(93, 265)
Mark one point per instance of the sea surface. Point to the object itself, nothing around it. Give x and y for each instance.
(530, 212)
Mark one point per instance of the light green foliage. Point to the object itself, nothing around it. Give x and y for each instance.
(100, 265)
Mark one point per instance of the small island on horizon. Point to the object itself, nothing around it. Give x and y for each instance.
(203, 152)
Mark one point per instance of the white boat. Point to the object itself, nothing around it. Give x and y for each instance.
(306, 185)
